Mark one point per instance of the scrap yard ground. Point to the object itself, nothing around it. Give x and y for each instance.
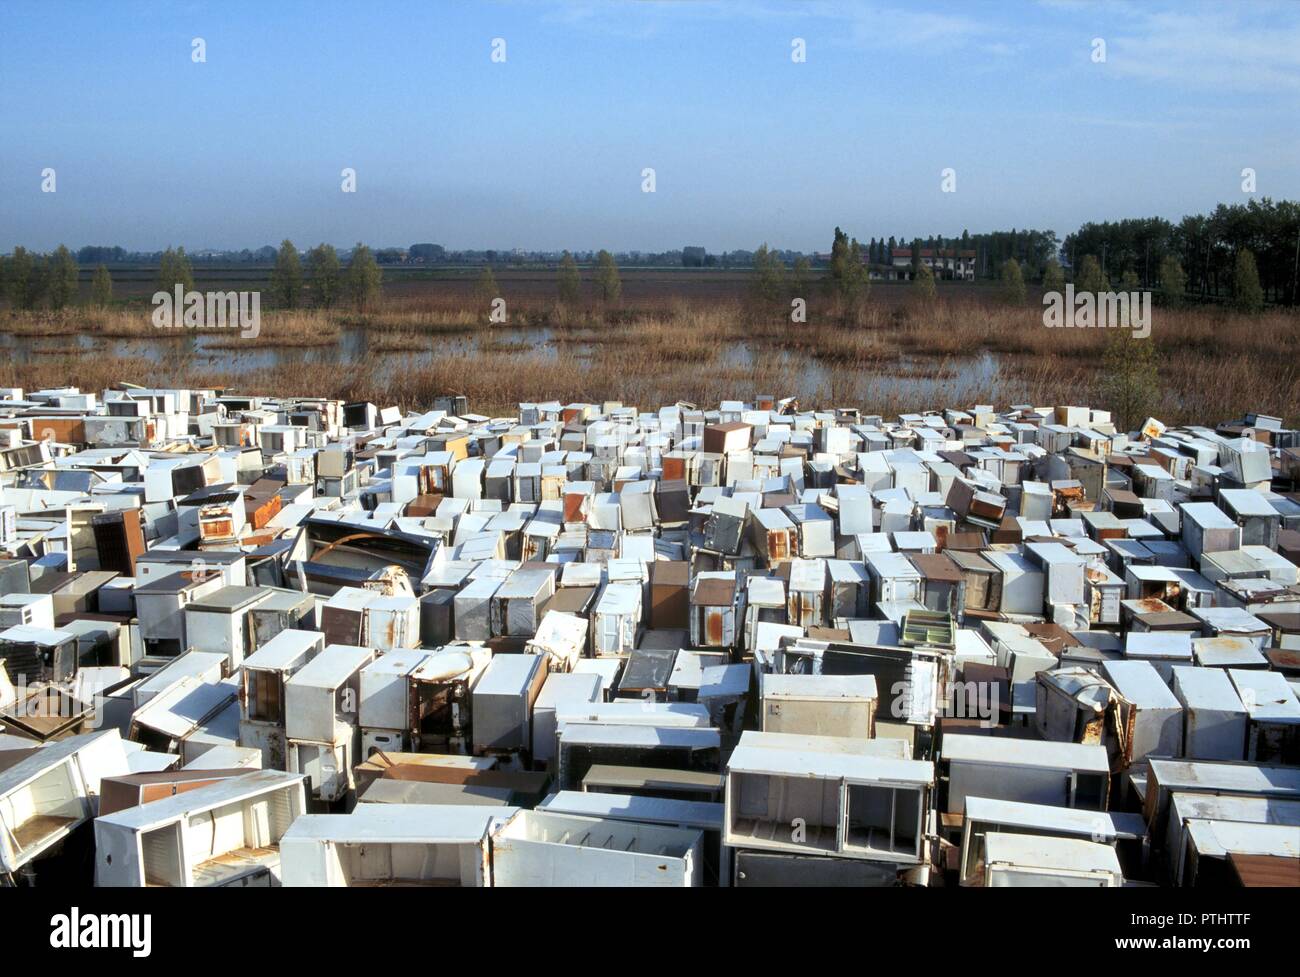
(303, 642)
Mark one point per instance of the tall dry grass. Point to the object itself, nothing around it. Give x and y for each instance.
(1214, 364)
(310, 327)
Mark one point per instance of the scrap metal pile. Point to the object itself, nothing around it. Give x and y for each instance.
(258, 640)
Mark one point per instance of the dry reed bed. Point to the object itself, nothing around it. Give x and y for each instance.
(287, 329)
(301, 328)
(1214, 364)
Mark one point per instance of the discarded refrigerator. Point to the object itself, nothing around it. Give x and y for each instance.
(33, 655)
(383, 710)
(439, 699)
(561, 690)
(581, 745)
(393, 622)
(1214, 720)
(853, 806)
(262, 696)
(49, 793)
(1016, 860)
(321, 702)
(616, 620)
(1123, 832)
(1156, 725)
(503, 703)
(160, 608)
(893, 578)
(1059, 774)
(714, 610)
(702, 816)
(819, 705)
(516, 607)
(1273, 734)
(392, 844)
(221, 622)
(561, 639)
(539, 848)
(225, 834)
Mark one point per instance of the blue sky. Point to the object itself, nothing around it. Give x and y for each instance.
(546, 150)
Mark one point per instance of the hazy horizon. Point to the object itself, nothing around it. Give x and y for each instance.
(546, 151)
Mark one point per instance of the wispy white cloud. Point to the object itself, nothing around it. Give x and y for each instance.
(1141, 124)
(1231, 48)
(855, 23)
(1236, 48)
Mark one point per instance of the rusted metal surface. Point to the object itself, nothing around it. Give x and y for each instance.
(1265, 871)
(713, 625)
(674, 468)
(48, 714)
(216, 523)
(778, 545)
(1151, 605)
(264, 513)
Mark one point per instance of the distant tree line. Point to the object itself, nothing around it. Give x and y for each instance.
(568, 281)
(33, 281)
(326, 280)
(1030, 249)
(93, 254)
(1248, 253)
(1206, 247)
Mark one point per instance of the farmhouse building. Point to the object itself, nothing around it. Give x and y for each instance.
(944, 262)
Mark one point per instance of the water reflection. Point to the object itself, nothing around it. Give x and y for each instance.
(390, 353)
